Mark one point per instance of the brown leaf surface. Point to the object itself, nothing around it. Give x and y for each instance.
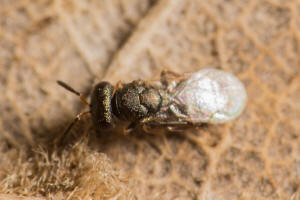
(256, 156)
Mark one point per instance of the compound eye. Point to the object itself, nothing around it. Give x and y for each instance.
(151, 99)
(101, 109)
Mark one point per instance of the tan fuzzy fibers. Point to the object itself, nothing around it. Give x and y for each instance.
(74, 174)
(256, 156)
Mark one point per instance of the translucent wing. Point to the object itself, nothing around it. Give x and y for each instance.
(210, 95)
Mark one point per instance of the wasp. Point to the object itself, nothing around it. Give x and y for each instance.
(176, 100)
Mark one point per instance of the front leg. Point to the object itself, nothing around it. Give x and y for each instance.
(117, 86)
(168, 74)
(130, 128)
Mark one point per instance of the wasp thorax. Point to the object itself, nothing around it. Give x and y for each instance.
(127, 104)
(135, 101)
(151, 99)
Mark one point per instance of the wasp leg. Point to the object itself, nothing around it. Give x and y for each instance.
(175, 126)
(165, 73)
(61, 139)
(149, 123)
(129, 128)
(147, 119)
(167, 78)
(152, 122)
(147, 129)
(118, 85)
(177, 112)
(146, 126)
(173, 123)
(171, 127)
(197, 124)
(175, 129)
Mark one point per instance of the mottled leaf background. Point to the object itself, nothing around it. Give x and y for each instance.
(256, 156)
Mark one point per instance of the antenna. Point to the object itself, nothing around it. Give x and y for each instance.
(79, 116)
(70, 89)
